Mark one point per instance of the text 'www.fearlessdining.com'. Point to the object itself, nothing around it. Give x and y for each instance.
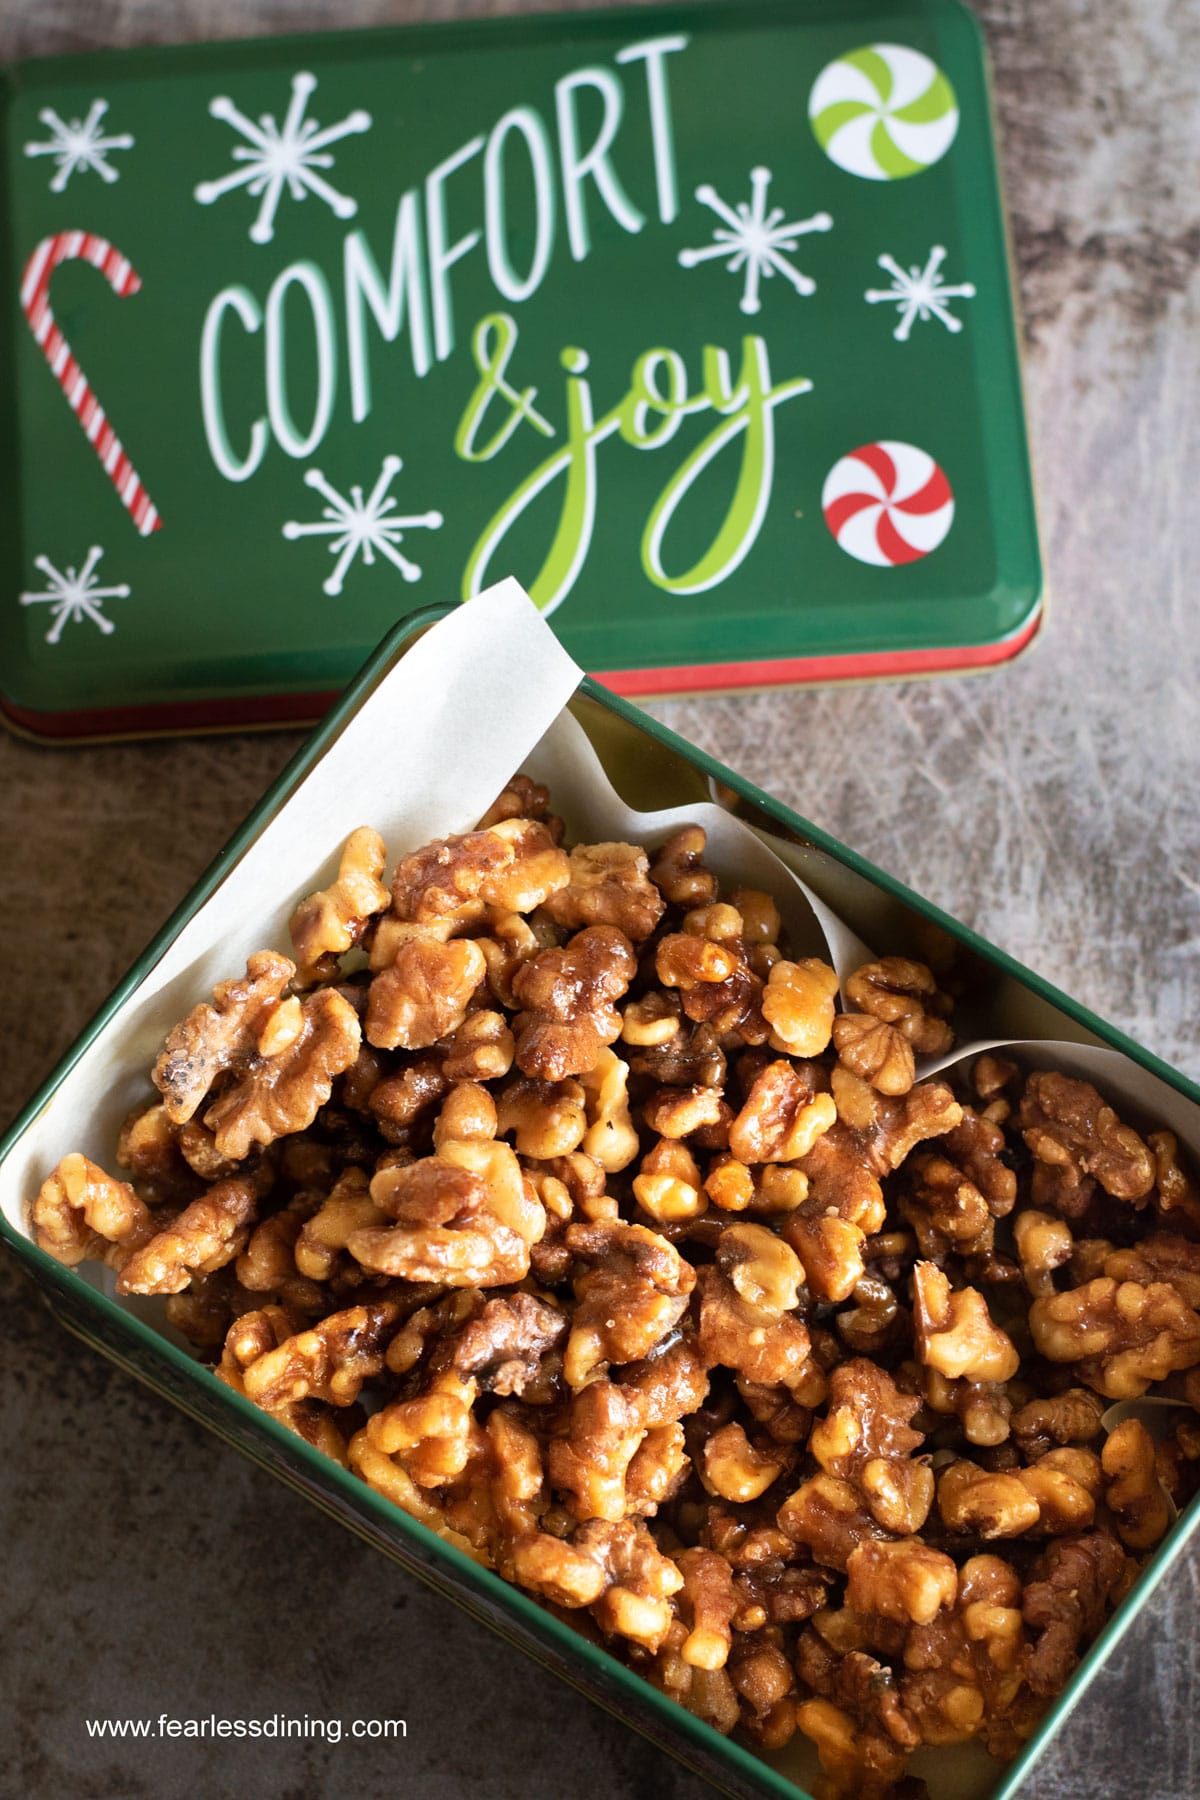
(274, 1725)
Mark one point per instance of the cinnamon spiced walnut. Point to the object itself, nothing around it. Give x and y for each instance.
(567, 999)
(632, 1289)
(330, 922)
(678, 870)
(81, 1211)
(609, 885)
(1119, 1336)
(221, 1036)
(209, 1233)
(425, 993)
(798, 1003)
(1078, 1140)
(289, 1077)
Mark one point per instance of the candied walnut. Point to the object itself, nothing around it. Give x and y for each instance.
(1073, 1417)
(797, 1004)
(511, 942)
(425, 994)
(659, 1467)
(875, 1051)
(747, 1307)
(1132, 1491)
(867, 1438)
(588, 1465)
(859, 1764)
(1177, 1195)
(465, 1219)
(221, 1036)
(652, 1022)
(567, 996)
(782, 1118)
(608, 885)
(739, 1470)
(330, 922)
(283, 1087)
(883, 1130)
(831, 1251)
(521, 798)
(545, 1118)
(148, 1146)
(1065, 1603)
(671, 1382)
(761, 923)
(1066, 1484)
(399, 1100)
(876, 1321)
(827, 1516)
(1163, 1256)
(209, 1233)
(505, 1346)
(976, 1145)
(80, 1211)
(946, 1211)
(468, 1116)
(1078, 1140)
(955, 1332)
(764, 1682)
(1120, 1336)
(708, 1602)
(987, 1505)
(198, 1148)
(983, 1408)
(330, 1361)
(1044, 1244)
(253, 1335)
(716, 984)
(323, 1238)
(443, 881)
(680, 1112)
(906, 1581)
(268, 1265)
(206, 1309)
(766, 1190)
(903, 993)
(668, 1183)
(678, 870)
(610, 1139)
(632, 1291)
(1177, 1462)
(432, 1436)
(481, 1049)
(537, 870)
(690, 1057)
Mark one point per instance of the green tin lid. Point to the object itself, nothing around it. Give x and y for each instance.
(697, 320)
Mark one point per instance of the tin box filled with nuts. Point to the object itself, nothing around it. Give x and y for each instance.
(727, 1277)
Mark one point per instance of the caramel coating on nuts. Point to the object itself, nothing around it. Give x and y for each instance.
(609, 885)
(289, 1077)
(219, 1036)
(81, 1211)
(330, 922)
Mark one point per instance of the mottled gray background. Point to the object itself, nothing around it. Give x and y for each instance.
(1051, 804)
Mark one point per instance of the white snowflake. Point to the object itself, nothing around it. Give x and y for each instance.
(74, 595)
(920, 293)
(78, 145)
(276, 157)
(358, 527)
(755, 239)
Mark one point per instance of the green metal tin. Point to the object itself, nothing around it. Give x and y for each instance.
(675, 771)
(698, 320)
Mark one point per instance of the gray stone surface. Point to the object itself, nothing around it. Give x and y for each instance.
(1052, 804)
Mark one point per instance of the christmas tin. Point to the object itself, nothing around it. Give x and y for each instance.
(697, 320)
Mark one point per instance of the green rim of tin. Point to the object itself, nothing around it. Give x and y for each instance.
(480, 1592)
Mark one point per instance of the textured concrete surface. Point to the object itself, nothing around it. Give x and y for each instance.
(1052, 804)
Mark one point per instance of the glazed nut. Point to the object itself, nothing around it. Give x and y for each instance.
(902, 992)
(987, 1505)
(1077, 1136)
(632, 1290)
(425, 993)
(831, 1252)
(330, 922)
(610, 1139)
(544, 1118)
(668, 1184)
(955, 1332)
(468, 1115)
(1133, 1492)
(1120, 1335)
(209, 1233)
(738, 1470)
(875, 1051)
(324, 1237)
(282, 1092)
(798, 1005)
(608, 885)
(651, 1021)
(781, 1119)
(328, 1362)
(481, 1049)
(1044, 1244)
(678, 870)
(764, 1271)
(567, 998)
(678, 1112)
(220, 1036)
(81, 1211)
(761, 923)
(908, 1582)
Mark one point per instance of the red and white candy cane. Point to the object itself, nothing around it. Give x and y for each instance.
(72, 246)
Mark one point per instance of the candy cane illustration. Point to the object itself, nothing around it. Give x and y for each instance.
(70, 246)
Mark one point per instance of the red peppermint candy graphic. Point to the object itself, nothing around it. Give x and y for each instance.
(887, 503)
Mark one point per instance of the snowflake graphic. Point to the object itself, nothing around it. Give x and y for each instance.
(920, 293)
(78, 145)
(357, 527)
(276, 158)
(74, 595)
(755, 240)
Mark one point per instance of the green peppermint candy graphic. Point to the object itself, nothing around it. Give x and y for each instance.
(883, 112)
